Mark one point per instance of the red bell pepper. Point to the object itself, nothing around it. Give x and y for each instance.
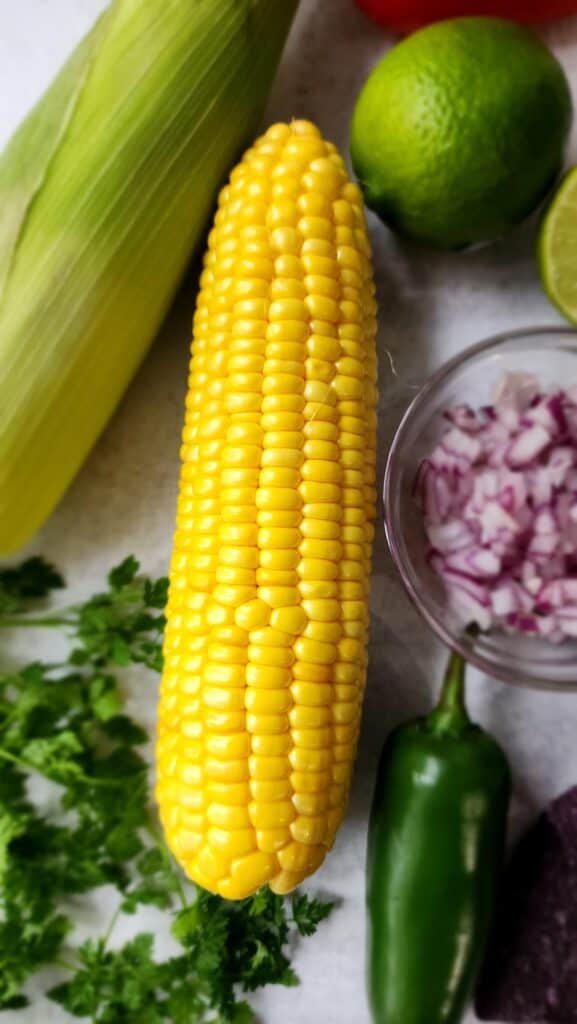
(406, 15)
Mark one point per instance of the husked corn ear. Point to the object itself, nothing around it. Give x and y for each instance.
(265, 647)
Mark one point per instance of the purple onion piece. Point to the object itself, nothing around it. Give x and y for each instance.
(499, 500)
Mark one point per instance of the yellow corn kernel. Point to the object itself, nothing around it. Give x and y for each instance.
(303, 717)
(272, 745)
(187, 845)
(309, 830)
(318, 589)
(278, 519)
(252, 615)
(286, 881)
(231, 844)
(278, 538)
(268, 636)
(311, 694)
(291, 620)
(276, 577)
(288, 265)
(228, 793)
(232, 574)
(310, 782)
(229, 634)
(313, 673)
(212, 862)
(265, 648)
(320, 448)
(272, 840)
(266, 654)
(355, 629)
(267, 677)
(229, 594)
(312, 547)
(277, 498)
(266, 768)
(239, 499)
(277, 420)
(229, 746)
(345, 712)
(265, 702)
(224, 771)
(330, 632)
(227, 816)
(312, 491)
(296, 857)
(346, 673)
(267, 725)
(230, 675)
(292, 458)
(305, 760)
(270, 792)
(310, 804)
(279, 597)
(223, 721)
(248, 874)
(318, 569)
(279, 476)
(327, 512)
(273, 558)
(320, 529)
(272, 814)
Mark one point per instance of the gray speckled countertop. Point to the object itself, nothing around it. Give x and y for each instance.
(123, 499)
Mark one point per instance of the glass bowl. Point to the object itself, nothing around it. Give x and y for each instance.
(551, 354)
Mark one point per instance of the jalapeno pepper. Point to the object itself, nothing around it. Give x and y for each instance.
(436, 843)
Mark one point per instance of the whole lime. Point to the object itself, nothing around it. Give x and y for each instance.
(459, 131)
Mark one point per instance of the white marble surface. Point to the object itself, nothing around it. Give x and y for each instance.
(123, 499)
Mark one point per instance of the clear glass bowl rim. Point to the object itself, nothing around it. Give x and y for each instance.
(506, 673)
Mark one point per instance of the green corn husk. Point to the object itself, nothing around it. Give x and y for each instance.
(105, 191)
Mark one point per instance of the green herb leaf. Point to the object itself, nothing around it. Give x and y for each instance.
(105, 700)
(67, 724)
(55, 757)
(32, 580)
(308, 912)
(124, 573)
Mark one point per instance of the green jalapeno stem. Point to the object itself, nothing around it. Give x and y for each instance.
(450, 717)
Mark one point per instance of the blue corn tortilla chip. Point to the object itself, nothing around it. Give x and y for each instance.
(530, 970)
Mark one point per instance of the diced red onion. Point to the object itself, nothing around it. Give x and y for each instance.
(450, 536)
(528, 444)
(466, 419)
(477, 562)
(514, 395)
(504, 599)
(496, 523)
(460, 444)
(516, 391)
(499, 497)
(530, 577)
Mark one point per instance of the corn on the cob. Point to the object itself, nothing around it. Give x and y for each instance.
(104, 192)
(265, 650)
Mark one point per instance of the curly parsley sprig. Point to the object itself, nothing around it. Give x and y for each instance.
(66, 723)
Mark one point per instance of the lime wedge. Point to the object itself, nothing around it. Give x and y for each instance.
(557, 248)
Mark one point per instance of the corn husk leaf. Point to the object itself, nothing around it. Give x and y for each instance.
(107, 187)
(26, 159)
